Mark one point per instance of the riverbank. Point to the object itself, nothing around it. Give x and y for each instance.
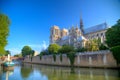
(98, 59)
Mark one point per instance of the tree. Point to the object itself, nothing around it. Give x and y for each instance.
(69, 51)
(113, 35)
(113, 40)
(4, 31)
(116, 53)
(81, 49)
(18, 55)
(71, 56)
(103, 47)
(7, 52)
(66, 49)
(32, 53)
(26, 50)
(53, 48)
(93, 44)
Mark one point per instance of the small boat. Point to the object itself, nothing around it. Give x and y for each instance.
(8, 62)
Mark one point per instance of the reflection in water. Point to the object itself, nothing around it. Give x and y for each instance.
(26, 71)
(40, 72)
(72, 70)
(6, 73)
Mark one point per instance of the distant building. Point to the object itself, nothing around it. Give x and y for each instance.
(35, 53)
(77, 36)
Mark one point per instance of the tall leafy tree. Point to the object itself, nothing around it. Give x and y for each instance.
(66, 49)
(26, 50)
(113, 40)
(7, 52)
(113, 35)
(4, 31)
(53, 48)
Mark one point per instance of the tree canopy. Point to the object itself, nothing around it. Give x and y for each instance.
(66, 49)
(113, 40)
(4, 31)
(26, 50)
(113, 35)
(53, 48)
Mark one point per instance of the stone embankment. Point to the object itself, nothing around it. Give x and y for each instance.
(98, 59)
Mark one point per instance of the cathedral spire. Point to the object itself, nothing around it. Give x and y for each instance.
(81, 24)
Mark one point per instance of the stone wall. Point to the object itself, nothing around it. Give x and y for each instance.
(86, 59)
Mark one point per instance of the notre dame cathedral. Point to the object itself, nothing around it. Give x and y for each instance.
(77, 36)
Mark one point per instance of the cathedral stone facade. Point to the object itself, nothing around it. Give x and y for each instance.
(77, 36)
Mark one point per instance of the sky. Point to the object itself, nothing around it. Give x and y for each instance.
(31, 19)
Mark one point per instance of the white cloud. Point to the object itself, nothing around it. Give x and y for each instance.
(44, 45)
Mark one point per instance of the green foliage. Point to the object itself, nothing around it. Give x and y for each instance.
(93, 45)
(4, 32)
(66, 49)
(113, 35)
(116, 53)
(54, 57)
(61, 57)
(7, 52)
(18, 55)
(44, 52)
(71, 57)
(102, 47)
(26, 50)
(40, 56)
(53, 48)
(32, 53)
(81, 49)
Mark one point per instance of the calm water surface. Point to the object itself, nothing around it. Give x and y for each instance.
(40, 72)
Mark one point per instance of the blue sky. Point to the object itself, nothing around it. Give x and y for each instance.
(31, 19)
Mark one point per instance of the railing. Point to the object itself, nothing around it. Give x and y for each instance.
(94, 52)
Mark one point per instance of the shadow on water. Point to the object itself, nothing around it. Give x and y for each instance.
(26, 70)
(119, 73)
(72, 70)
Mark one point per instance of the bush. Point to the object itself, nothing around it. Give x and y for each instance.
(103, 47)
(81, 49)
(116, 53)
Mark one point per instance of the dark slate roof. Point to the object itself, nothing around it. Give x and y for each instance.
(96, 28)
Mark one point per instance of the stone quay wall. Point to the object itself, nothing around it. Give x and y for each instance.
(101, 59)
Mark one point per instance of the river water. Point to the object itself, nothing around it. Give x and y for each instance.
(41, 72)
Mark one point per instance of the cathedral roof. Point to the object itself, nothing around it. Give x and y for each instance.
(96, 28)
(81, 38)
